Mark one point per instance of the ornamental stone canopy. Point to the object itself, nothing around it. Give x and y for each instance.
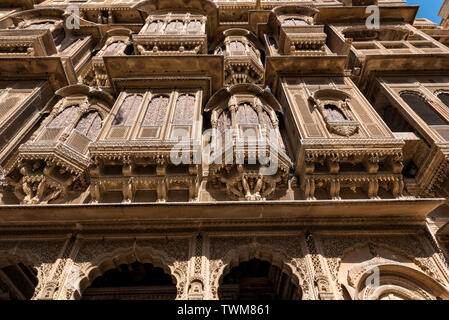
(223, 149)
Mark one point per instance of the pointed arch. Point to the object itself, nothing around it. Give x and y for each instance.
(273, 255)
(126, 255)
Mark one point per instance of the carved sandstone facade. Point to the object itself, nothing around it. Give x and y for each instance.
(207, 149)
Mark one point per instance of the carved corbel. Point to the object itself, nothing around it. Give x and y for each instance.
(372, 163)
(397, 164)
(309, 188)
(128, 191)
(334, 189)
(333, 163)
(373, 188)
(309, 163)
(398, 188)
(161, 190)
(95, 192)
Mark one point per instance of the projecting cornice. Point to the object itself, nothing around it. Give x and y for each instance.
(411, 210)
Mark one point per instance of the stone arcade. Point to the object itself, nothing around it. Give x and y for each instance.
(93, 205)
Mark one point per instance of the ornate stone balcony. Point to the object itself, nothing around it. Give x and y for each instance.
(417, 108)
(148, 149)
(242, 56)
(116, 42)
(172, 33)
(345, 150)
(291, 30)
(248, 158)
(51, 166)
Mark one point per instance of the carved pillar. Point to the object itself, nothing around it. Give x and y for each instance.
(54, 285)
(197, 267)
(320, 274)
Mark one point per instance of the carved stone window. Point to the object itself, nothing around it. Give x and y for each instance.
(246, 115)
(333, 114)
(194, 27)
(114, 48)
(444, 97)
(266, 120)
(156, 112)
(174, 26)
(128, 111)
(155, 26)
(90, 125)
(224, 121)
(423, 109)
(237, 47)
(65, 118)
(184, 110)
(294, 22)
(334, 106)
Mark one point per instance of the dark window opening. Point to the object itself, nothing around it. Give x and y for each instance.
(423, 109)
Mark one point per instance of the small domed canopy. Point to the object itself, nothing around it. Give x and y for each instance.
(80, 89)
(227, 93)
(206, 7)
(38, 15)
(237, 32)
(291, 10)
(121, 32)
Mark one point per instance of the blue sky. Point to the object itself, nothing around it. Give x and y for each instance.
(429, 8)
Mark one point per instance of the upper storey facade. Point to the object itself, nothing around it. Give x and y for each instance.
(113, 97)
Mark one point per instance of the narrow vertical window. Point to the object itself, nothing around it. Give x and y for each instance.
(246, 114)
(65, 118)
(184, 110)
(194, 27)
(224, 121)
(333, 114)
(174, 26)
(114, 48)
(128, 111)
(423, 109)
(155, 26)
(236, 47)
(156, 112)
(90, 125)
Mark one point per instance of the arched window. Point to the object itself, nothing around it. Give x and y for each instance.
(174, 26)
(90, 125)
(224, 121)
(155, 26)
(266, 120)
(65, 118)
(236, 46)
(295, 22)
(423, 109)
(194, 27)
(246, 115)
(444, 97)
(184, 110)
(333, 114)
(128, 111)
(114, 48)
(156, 112)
